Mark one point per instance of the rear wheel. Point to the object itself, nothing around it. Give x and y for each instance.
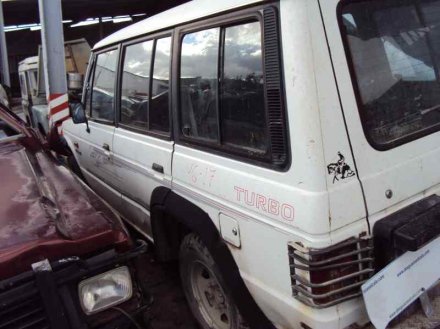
(204, 288)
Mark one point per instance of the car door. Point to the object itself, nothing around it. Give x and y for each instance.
(385, 58)
(92, 143)
(142, 144)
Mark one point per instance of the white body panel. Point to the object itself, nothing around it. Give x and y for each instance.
(96, 163)
(134, 157)
(178, 15)
(408, 170)
(309, 204)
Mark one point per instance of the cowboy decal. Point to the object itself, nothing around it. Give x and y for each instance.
(340, 169)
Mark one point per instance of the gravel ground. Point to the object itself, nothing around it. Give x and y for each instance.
(169, 309)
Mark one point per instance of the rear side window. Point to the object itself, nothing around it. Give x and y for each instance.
(136, 84)
(394, 50)
(198, 83)
(103, 86)
(145, 84)
(222, 88)
(242, 93)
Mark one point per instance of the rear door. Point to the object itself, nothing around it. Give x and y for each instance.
(386, 56)
(93, 146)
(142, 144)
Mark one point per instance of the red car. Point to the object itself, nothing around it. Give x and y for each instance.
(66, 260)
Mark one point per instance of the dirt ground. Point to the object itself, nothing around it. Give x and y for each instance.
(169, 309)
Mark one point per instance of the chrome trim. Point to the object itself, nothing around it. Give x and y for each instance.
(329, 304)
(307, 262)
(330, 260)
(330, 282)
(329, 294)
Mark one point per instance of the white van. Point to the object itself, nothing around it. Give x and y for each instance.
(283, 151)
(32, 82)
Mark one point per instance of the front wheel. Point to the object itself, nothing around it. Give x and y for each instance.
(204, 288)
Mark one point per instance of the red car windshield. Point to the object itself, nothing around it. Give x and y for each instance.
(14, 122)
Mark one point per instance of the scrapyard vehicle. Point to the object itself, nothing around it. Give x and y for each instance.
(286, 152)
(32, 82)
(66, 260)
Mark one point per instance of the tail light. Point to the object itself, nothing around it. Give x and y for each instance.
(329, 276)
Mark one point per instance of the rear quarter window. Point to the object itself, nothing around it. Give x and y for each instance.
(222, 88)
(393, 49)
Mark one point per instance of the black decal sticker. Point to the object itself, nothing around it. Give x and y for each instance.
(340, 169)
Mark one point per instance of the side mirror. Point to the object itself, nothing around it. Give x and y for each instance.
(78, 113)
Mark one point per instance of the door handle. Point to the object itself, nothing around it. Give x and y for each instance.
(158, 168)
(106, 148)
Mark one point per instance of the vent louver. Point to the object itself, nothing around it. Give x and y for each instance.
(274, 94)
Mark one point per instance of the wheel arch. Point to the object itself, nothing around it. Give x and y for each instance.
(172, 217)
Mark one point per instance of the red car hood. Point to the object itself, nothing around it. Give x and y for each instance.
(46, 212)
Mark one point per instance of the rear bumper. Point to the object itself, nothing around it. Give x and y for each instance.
(50, 299)
(406, 230)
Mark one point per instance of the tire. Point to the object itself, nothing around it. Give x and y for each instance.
(204, 288)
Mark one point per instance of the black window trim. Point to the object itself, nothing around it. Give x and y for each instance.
(95, 60)
(349, 58)
(88, 82)
(237, 153)
(150, 37)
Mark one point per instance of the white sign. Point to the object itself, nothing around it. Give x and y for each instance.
(391, 290)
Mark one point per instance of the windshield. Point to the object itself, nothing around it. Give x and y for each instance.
(393, 47)
(12, 124)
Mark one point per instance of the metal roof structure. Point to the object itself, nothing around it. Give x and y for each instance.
(21, 20)
(19, 12)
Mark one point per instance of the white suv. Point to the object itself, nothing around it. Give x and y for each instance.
(275, 148)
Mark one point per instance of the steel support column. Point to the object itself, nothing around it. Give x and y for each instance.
(54, 60)
(4, 65)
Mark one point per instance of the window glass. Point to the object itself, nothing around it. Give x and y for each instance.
(87, 92)
(395, 49)
(135, 84)
(24, 93)
(103, 86)
(32, 77)
(243, 119)
(159, 111)
(198, 84)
